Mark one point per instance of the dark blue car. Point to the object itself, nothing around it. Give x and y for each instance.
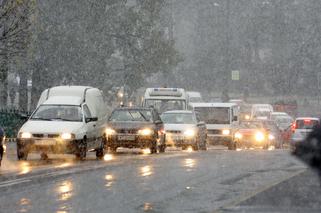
(1, 144)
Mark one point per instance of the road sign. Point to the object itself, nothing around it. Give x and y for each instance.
(235, 75)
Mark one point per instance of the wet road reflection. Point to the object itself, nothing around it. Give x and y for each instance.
(189, 163)
(25, 204)
(24, 168)
(146, 171)
(65, 190)
(109, 180)
(108, 157)
(147, 207)
(146, 151)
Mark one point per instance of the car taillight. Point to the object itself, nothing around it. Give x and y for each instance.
(293, 127)
(307, 121)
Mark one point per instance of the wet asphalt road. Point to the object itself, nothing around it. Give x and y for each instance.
(217, 180)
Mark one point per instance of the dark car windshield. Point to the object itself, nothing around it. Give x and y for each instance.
(131, 115)
(306, 124)
(178, 118)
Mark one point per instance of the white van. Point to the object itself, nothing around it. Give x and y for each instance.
(68, 119)
(221, 122)
(194, 97)
(166, 99)
(261, 111)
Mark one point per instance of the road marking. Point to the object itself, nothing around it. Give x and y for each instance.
(245, 197)
(15, 182)
(82, 168)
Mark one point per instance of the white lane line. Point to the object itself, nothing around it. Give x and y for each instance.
(245, 197)
(11, 183)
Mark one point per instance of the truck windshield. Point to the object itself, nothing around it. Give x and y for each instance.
(166, 105)
(58, 112)
(214, 115)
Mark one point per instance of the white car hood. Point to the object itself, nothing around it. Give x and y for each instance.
(51, 127)
(179, 127)
(218, 126)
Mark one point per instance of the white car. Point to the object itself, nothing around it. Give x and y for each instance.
(282, 119)
(184, 129)
(68, 119)
(302, 127)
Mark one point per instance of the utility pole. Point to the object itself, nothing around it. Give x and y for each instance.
(227, 56)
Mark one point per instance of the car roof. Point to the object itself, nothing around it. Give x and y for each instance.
(133, 108)
(307, 118)
(279, 113)
(178, 111)
(63, 100)
(213, 104)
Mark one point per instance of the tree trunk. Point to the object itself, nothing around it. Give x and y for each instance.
(23, 91)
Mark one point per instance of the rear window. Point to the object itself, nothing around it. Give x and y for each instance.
(306, 124)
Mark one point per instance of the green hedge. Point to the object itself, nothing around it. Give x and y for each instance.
(11, 120)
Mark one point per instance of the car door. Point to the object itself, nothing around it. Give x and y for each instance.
(201, 126)
(90, 127)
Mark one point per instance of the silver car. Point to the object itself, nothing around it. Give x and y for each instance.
(184, 129)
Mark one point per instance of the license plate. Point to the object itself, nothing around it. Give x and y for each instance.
(45, 142)
(178, 138)
(126, 137)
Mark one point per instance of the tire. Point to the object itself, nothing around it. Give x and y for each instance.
(232, 146)
(100, 153)
(153, 148)
(196, 147)
(22, 154)
(162, 148)
(204, 145)
(82, 150)
(44, 156)
(113, 150)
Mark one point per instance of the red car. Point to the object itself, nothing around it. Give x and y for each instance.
(255, 134)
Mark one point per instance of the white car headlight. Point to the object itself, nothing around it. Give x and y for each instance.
(226, 132)
(66, 136)
(271, 137)
(189, 133)
(259, 136)
(110, 131)
(145, 132)
(25, 135)
(238, 135)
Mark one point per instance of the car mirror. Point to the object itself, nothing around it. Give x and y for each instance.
(91, 119)
(201, 123)
(158, 122)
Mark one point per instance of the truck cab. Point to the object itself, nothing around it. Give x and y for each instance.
(221, 120)
(165, 99)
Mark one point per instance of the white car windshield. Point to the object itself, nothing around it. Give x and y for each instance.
(58, 112)
(178, 118)
(214, 115)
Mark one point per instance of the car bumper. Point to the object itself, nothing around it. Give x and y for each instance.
(219, 139)
(253, 143)
(50, 145)
(130, 141)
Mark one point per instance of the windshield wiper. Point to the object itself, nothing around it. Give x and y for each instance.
(42, 119)
(143, 116)
(63, 119)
